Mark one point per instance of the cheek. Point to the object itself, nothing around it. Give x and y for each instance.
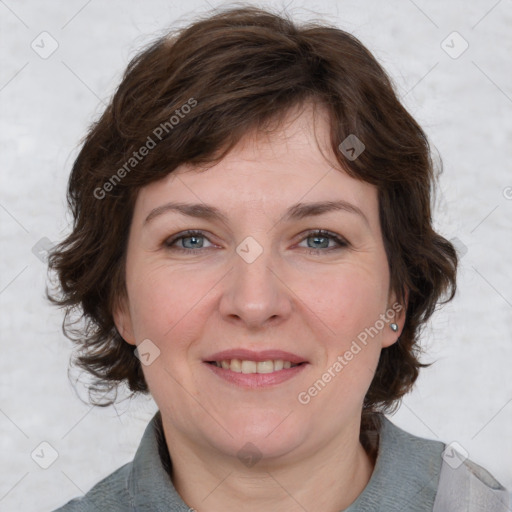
(346, 301)
(349, 304)
(167, 308)
(165, 302)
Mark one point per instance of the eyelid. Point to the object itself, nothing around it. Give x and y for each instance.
(168, 242)
(341, 241)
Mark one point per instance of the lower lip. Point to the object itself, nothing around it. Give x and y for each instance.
(256, 380)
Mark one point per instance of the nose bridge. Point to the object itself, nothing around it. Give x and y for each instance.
(254, 292)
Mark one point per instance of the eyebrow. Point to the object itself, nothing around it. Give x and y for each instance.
(296, 212)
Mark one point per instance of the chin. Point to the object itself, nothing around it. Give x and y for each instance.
(269, 437)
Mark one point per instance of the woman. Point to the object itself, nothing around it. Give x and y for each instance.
(252, 244)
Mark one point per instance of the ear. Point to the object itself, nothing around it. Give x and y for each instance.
(123, 320)
(396, 313)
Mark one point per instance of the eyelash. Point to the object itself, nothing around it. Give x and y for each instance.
(319, 232)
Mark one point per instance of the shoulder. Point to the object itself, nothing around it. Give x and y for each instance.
(143, 484)
(110, 494)
(466, 486)
(458, 484)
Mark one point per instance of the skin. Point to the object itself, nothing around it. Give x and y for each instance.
(291, 298)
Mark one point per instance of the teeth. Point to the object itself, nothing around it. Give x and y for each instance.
(249, 367)
(265, 367)
(236, 365)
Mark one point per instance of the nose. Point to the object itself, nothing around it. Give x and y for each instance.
(254, 293)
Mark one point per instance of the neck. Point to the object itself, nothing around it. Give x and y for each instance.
(328, 477)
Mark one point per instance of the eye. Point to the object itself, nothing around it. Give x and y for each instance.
(191, 237)
(321, 239)
(195, 241)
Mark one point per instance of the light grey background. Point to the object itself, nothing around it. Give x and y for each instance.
(463, 103)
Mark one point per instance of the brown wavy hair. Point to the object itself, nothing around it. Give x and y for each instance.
(237, 70)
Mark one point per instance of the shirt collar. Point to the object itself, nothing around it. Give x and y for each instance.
(149, 485)
(406, 473)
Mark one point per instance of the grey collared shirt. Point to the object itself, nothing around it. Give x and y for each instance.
(410, 475)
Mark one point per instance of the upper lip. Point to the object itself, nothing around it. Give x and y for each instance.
(251, 355)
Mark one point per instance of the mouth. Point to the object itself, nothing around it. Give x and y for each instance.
(248, 366)
(255, 370)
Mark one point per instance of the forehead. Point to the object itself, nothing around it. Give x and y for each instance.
(267, 170)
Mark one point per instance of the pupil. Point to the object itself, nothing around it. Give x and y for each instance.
(317, 238)
(194, 241)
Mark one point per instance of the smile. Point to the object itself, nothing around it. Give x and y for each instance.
(248, 366)
(247, 374)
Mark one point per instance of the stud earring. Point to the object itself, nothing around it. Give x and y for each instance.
(394, 327)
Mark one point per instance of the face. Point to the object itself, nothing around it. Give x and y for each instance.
(258, 284)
